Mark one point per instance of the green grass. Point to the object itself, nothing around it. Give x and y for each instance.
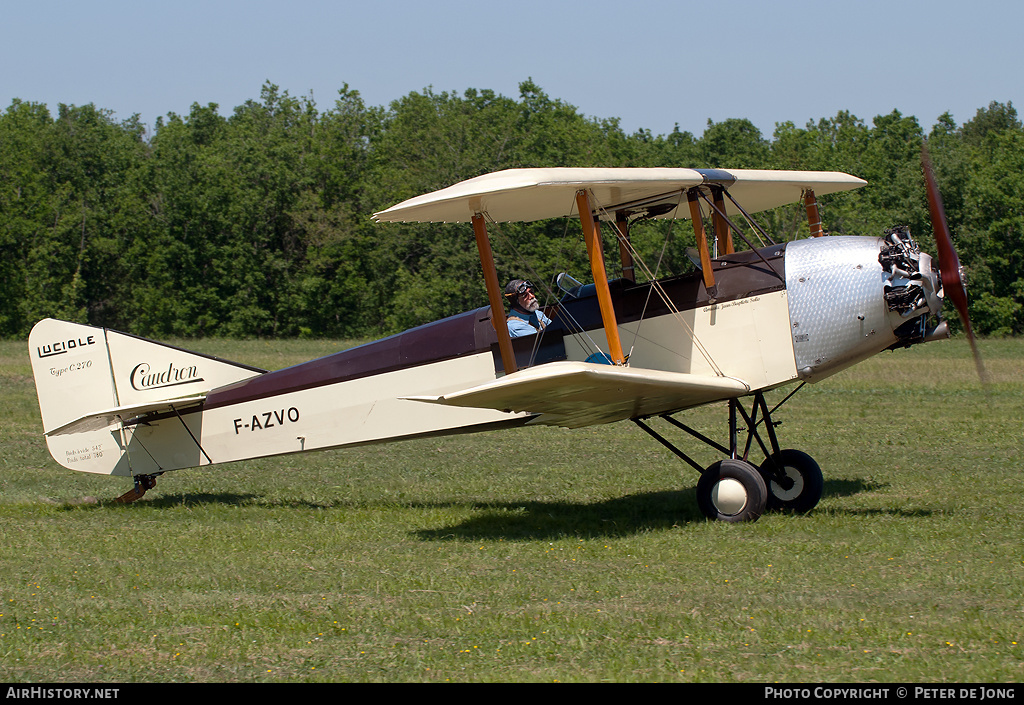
(539, 554)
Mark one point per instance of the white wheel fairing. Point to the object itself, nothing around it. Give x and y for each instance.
(729, 496)
(732, 490)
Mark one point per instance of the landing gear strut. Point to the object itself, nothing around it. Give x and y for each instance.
(736, 490)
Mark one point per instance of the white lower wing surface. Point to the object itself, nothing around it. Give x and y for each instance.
(577, 394)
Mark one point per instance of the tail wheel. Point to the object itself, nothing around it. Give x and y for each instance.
(800, 486)
(732, 490)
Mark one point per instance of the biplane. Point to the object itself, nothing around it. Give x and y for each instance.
(745, 321)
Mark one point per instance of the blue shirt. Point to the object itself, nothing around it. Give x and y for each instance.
(521, 323)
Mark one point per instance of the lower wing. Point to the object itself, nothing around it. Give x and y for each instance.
(577, 394)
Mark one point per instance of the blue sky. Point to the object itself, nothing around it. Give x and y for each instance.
(651, 63)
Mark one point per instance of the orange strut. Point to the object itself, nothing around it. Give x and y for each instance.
(702, 244)
(483, 244)
(813, 216)
(723, 233)
(592, 236)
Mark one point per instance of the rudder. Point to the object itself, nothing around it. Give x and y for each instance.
(82, 371)
(71, 366)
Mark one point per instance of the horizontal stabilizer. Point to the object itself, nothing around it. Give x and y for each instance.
(577, 394)
(103, 419)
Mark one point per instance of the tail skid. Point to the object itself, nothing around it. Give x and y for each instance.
(142, 483)
(95, 385)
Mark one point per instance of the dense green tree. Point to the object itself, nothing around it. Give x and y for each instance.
(335, 290)
(24, 205)
(990, 218)
(258, 223)
(733, 143)
(72, 201)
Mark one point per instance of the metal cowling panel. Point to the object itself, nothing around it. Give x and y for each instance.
(836, 304)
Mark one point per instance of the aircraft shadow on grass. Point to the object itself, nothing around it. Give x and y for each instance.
(621, 516)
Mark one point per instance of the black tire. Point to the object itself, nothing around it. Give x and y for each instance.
(806, 478)
(732, 490)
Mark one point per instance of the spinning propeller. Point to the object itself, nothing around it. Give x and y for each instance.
(949, 263)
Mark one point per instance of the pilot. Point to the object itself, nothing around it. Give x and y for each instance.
(524, 316)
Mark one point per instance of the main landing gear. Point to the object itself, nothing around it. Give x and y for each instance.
(734, 489)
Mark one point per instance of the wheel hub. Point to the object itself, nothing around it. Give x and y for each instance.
(729, 496)
(790, 486)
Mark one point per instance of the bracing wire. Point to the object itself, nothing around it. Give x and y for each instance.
(657, 269)
(549, 295)
(655, 285)
(665, 298)
(753, 223)
(739, 232)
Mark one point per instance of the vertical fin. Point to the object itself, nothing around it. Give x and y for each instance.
(81, 370)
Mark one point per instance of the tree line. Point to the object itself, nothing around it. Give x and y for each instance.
(257, 224)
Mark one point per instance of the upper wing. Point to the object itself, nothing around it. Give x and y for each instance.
(534, 194)
(576, 394)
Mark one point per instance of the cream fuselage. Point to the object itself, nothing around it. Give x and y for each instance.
(801, 311)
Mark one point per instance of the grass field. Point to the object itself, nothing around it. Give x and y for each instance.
(537, 555)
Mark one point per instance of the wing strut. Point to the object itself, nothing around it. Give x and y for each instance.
(592, 235)
(723, 235)
(483, 244)
(628, 269)
(702, 243)
(813, 215)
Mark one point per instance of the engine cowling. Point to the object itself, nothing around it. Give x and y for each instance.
(853, 297)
